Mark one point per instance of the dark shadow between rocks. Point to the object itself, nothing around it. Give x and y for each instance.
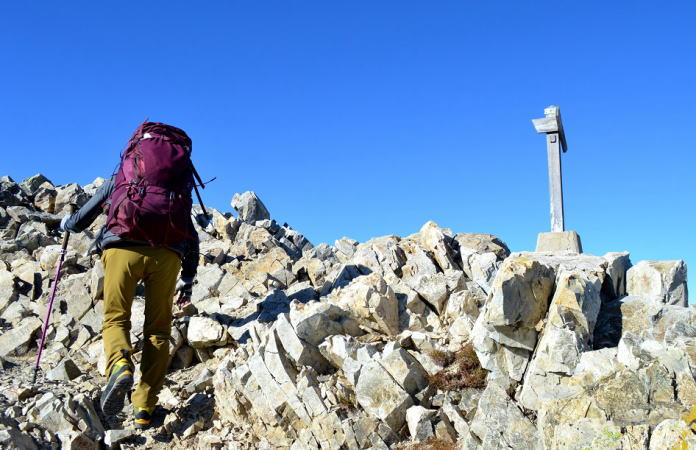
(609, 327)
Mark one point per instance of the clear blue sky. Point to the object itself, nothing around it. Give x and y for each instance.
(367, 118)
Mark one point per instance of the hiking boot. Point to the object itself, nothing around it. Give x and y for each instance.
(143, 416)
(120, 383)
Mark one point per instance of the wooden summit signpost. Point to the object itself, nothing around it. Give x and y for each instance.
(558, 239)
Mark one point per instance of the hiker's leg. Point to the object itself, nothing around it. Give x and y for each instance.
(123, 269)
(161, 273)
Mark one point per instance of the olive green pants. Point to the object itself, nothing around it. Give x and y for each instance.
(158, 268)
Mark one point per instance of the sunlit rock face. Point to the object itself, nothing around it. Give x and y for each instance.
(437, 337)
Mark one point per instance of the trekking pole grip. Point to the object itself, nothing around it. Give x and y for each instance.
(66, 237)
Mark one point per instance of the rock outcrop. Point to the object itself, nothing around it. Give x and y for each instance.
(439, 338)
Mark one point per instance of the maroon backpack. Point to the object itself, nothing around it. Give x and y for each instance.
(151, 201)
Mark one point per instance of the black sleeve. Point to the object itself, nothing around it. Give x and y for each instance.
(90, 210)
(189, 263)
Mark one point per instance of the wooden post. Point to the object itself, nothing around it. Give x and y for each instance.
(555, 141)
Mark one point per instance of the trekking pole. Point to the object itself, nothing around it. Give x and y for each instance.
(63, 251)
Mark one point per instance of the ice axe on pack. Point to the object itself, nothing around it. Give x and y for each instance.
(56, 279)
(206, 216)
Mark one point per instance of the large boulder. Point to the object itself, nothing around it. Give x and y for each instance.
(664, 281)
(567, 334)
(250, 207)
(371, 302)
(505, 334)
(499, 422)
(382, 397)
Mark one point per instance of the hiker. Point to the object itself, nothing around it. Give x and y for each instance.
(148, 237)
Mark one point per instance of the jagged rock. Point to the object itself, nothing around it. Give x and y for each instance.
(8, 294)
(32, 184)
(17, 340)
(302, 351)
(419, 422)
(567, 334)
(45, 199)
(435, 241)
(505, 334)
(112, 437)
(618, 264)
(250, 207)
(662, 280)
(10, 193)
(11, 438)
(205, 332)
(588, 433)
(482, 243)
(381, 397)
(669, 433)
(372, 302)
(404, 368)
(433, 289)
(481, 256)
(346, 248)
(66, 370)
(639, 315)
(509, 428)
(332, 347)
(69, 195)
(91, 189)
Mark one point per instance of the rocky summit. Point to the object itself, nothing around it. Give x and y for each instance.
(435, 340)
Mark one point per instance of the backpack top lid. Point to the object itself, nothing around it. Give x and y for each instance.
(177, 135)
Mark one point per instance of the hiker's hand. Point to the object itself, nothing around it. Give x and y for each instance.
(182, 292)
(63, 221)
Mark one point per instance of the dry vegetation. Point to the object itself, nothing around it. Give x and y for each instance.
(430, 444)
(461, 369)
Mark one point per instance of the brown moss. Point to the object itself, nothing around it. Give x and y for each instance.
(462, 369)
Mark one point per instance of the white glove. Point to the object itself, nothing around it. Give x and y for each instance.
(184, 288)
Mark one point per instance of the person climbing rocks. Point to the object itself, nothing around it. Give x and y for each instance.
(148, 237)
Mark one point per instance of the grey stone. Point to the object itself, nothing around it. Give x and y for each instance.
(32, 184)
(13, 439)
(508, 428)
(250, 207)
(568, 333)
(434, 240)
(404, 368)
(299, 350)
(615, 281)
(419, 421)
(433, 289)
(668, 433)
(17, 340)
(112, 437)
(381, 397)
(207, 281)
(205, 332)
(371, 302)
(346, 247)
(69, 195)
(662, 280)
(66, 370)
(45, 199)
